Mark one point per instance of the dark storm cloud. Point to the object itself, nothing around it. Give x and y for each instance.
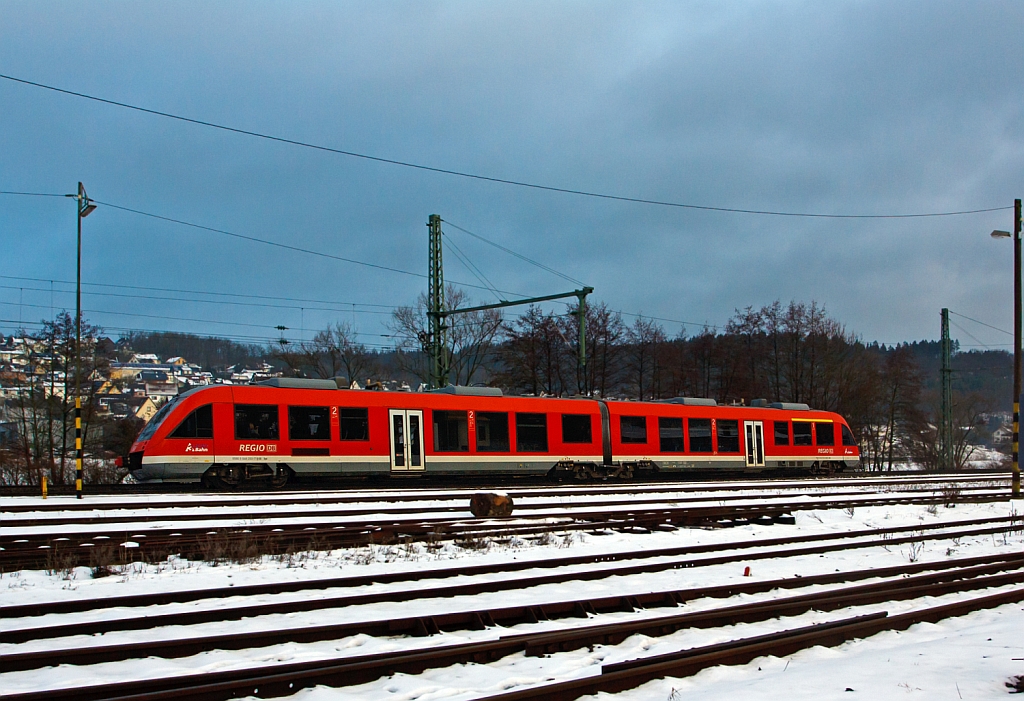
(843, 107)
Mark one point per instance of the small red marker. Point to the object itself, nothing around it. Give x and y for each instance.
(746, 571)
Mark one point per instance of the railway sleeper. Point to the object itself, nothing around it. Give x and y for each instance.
(287, 679)
(964, 579)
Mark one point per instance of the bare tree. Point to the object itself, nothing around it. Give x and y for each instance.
(471, 339)
(900, 382)
(534, 354)
(44, 408)
(333, 352)
(644, 358)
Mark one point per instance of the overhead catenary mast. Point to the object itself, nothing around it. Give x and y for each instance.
(437, 315)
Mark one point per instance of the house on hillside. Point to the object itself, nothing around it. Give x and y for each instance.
(144, 359)
(122, 406)
(156, 384)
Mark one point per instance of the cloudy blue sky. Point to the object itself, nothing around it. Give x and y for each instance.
(832, 108)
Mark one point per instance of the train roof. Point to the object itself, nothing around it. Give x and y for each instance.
(461, 391)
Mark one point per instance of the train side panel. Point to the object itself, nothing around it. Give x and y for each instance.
(270, 432)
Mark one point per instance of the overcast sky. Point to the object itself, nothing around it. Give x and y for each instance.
(831, 108)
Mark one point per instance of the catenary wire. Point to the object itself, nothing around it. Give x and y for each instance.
(160, 316)
(200, 301)
(479, 274)
(278, 245)
(30, 194)
(246, 295)
(283, 245)
(266, 340)
(514, 253)
(982, 323)
(485, 178)
(968, 333)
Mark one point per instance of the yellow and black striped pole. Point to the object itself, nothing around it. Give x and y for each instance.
(78, 352)
(1016, 347)
(85, 207)
(1000, 234)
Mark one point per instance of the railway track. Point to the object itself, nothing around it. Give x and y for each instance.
(97, 503)
(656, 561)
(303, 486)
(637, 613)
(137, 543)
(445, 505)
(840, 541)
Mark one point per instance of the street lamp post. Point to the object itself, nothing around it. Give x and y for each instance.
(85, 207)
(1016, 341)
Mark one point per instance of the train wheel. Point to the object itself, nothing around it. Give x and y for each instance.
(281, 476)
(224, 477)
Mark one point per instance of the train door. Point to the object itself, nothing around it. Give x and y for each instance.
(406, 439)
(754, 431)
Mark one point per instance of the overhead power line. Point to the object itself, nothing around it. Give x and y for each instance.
(30, 194)
(514, 253)
(485, 178)
(266, 340)
(263, 305)
(479, 274)
(981, 323)
(246, 295)
(258, 240)
(268, 242)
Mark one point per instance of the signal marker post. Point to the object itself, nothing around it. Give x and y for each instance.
(85, 207)
(1016, 348)
(1016, 343)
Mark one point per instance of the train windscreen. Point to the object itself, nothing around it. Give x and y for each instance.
(157, 419)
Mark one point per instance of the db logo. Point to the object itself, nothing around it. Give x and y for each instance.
(197, 448)
(256, 448)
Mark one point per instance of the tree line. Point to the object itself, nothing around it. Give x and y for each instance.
(792, 352)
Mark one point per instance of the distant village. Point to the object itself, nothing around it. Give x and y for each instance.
(134, 388)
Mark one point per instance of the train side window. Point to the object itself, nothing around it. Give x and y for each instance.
(576, 428)
(633, 429)
(700, 435)
(451, 431)
(198, 424)
(532, 433)
(256, 421)
(670, 432)
(825, 433)
(353, 424)
(781, 433)
(848, 438)
(309, 423)
(728, 436)
(492, 432)
(802, 433)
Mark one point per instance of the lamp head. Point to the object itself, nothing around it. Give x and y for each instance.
(997, 234)
(87, 206)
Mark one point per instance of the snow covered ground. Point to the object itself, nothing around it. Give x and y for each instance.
(969, 657)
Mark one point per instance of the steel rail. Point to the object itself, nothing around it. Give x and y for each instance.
(19, 553)
(426, 494)
(286, 679)
(148, 621)
(129, 519)
(140, 600)
(689, 662)
(414, 625)
(588, 512)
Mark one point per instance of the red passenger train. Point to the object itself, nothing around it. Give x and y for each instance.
(283, 429)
